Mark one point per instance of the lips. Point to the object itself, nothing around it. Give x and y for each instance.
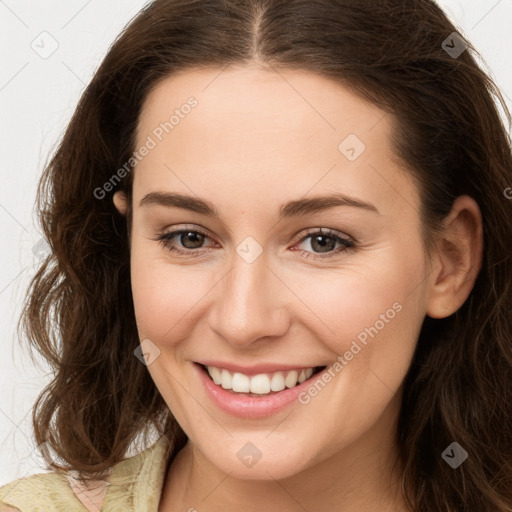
(250, 406)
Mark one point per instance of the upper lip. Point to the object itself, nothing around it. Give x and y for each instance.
(256, 369)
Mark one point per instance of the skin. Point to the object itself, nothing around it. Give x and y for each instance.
(256, 140)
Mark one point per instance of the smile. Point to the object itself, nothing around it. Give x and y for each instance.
(261, 384)
(254, 392)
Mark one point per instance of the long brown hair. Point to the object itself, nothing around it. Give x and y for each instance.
(79, 313)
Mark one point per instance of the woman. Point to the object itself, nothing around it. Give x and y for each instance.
(281, 236)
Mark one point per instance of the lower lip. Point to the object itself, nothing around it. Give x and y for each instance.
(245, 406)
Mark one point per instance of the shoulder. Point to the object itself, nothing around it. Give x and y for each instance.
(7, 508)
(41, 492)
(134, 484)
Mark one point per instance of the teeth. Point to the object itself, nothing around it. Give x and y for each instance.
(215, 374)
(277, 382)
(226, 381)
(260, 384)
(291, 379)
(241, 383)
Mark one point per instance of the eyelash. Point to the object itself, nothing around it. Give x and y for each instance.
(346, 243)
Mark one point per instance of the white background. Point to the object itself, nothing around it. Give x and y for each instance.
(37, 98)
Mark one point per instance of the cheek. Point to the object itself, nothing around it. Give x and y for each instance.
(348, 299)
(371, 314)
(163, 294)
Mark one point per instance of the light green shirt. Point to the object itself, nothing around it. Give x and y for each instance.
(134, 485)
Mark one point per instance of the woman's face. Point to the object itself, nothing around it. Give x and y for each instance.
(255, 287)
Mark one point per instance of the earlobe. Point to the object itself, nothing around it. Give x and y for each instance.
(458, 259)
(120, 202)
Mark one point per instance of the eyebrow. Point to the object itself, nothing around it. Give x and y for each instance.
(298, 207)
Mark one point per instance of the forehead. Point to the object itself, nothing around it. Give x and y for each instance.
(267, 133)
(262, 99)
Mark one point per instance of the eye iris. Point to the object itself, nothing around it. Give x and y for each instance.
(323, 245)
(193, 235)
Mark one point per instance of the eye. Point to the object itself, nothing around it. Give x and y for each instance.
(325, 241)
(191, 240)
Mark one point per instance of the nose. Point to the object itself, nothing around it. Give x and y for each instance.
(250, 304)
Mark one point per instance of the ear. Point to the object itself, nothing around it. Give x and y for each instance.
(120, 202)
(457, 258)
